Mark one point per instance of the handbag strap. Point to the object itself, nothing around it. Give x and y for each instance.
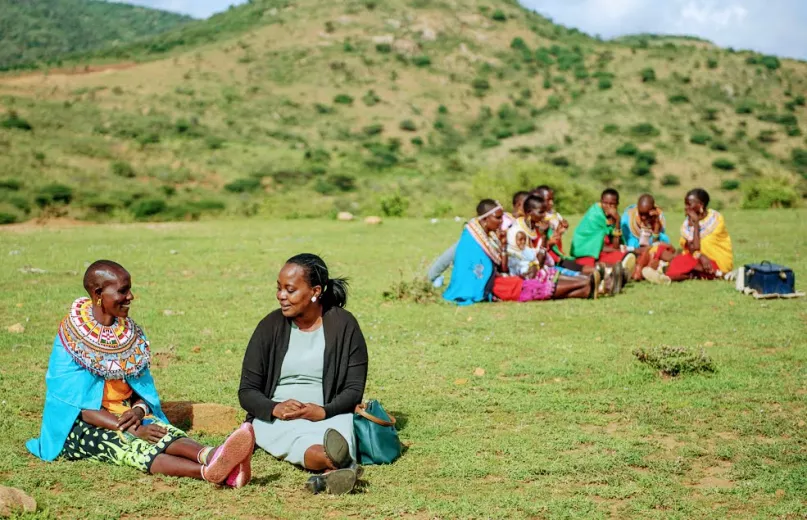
(361, 409)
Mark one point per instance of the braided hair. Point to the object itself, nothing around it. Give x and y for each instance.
(334, 290)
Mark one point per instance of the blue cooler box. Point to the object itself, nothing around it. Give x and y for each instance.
(768, 278)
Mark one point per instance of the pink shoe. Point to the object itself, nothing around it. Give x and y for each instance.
(227, 457)
(242, 474)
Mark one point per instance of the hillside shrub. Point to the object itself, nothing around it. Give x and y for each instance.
(417, 141)
(145, 208)
(793, 131)
(553, 102)
(499, 16)
(670, 180)
(719, 146)
(610, 129)
(394, 205)
(648, 75)
(19, 202)
(781, 119)
(710, 114)
(103, 203)
(323, 109)
(580, 73)
(677, 99)
(560, 161)
(711, 63)
(123, 169)
(213, 142)
(729, 184)
(480, 85)
(10, 184)
(384, 48)
(374, 129)
(647, 156)
(422, 61)
(407, 125)
(723, 164)
(700, 138)
(371, 99)
(770, 192)
(7, 218)
(53, 194)
(641, 169)
(767, 136)
(770, 62)
(628, 150)
(526, 127)
(644, 130)
(13, 121)
(605, 83)
(243, 185)
(343, 99)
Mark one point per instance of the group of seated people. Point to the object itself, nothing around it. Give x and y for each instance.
(520, 256)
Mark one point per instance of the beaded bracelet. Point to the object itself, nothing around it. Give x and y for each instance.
(142, 407)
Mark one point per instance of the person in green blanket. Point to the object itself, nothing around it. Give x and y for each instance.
(598, 238)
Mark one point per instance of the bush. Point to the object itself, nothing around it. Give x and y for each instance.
(323, 109)
(394, 205)
(417, 141)
(499, 16)
(644, 130)
(371, 98)
(384, 48)
(343, 99)
(19, 202)
(374, 129)
(7, 218)
(214, 143)
(767, 136)
(729, 184)
(407, 125)
(560, 161)
(771, 192)
(719, 146)
(480, 84)
(711, 63)
(243, 185)
(641, 169)
(670, 180)
(674, 361)
(489, 142)
(745, 107)
(10, 184)
(799, 156)
(771, 62)
(149, 207)
(342, 181)
(700, 138)
(710, 114)
(647, 156)
(419, 290)
(793, 131)
(648, 75)
(14, 122)
(610, 129)
(723, 164)
(628, 150)
(605, 83)
(677, 99)
(422, 61)
(53, 194)
(103, 204)
(123, 169)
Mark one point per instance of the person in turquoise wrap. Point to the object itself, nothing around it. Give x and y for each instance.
(101, 402)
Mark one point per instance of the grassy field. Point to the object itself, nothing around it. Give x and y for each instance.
(564, 423)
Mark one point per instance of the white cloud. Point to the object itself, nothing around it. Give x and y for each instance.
(707, 13)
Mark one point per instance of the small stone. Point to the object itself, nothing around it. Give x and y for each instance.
(479, 372)
(13, 252)
(228, 351)
(13, 500)
(709, 344)
(428, 34)
(17, 328)
(470, 318)
(344, 216)
(173, 252)
(802, 423)
(196, 349)
(460, 381)
(19, 306)
(169, 312)
(395, 24)
(780, 493)
(650, 312)
(457, 219)
(373, 221)
(434, 220)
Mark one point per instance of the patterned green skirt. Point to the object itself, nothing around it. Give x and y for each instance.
(88, 442)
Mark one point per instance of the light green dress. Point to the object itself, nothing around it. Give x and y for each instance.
(301, 379)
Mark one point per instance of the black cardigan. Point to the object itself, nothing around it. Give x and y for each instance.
(344, 371)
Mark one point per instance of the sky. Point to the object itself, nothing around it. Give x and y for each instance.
(767, 26)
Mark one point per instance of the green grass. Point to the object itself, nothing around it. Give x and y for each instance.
(565, 423)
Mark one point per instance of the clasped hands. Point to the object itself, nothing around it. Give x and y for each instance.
(131, 421)
(293, 409)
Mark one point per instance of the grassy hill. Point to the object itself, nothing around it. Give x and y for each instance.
(306, 108)
(43, 30)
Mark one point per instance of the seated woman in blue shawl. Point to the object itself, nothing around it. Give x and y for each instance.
(101, 403)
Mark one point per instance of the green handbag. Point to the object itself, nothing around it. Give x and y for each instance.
(376, 438)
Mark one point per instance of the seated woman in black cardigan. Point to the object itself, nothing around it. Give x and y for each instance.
(304, 373)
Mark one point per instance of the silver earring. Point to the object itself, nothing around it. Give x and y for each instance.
(313, 298)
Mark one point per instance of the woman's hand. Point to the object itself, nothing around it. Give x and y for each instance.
(150, 433)
(311, 412)
(131, 418)
(706, 264)
(694, 216)
(285, 410)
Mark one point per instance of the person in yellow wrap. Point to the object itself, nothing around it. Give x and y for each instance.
(705, 242)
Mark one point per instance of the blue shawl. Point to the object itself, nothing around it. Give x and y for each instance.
(70, 389)
(472, 274)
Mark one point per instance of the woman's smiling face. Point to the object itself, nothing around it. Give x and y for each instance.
(116, 294)
(294, 294)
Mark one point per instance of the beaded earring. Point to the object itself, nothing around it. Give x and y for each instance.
(98, 303)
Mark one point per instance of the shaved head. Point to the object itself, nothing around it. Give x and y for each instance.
(101, 272)
(646, 203)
